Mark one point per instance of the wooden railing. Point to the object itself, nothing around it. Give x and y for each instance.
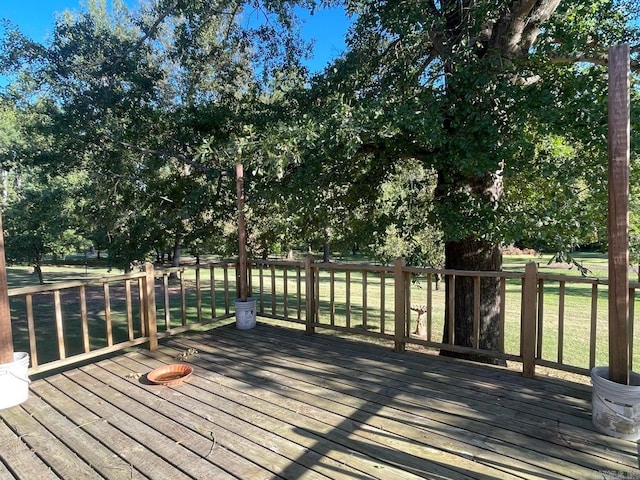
(71, 322)
(406, 305)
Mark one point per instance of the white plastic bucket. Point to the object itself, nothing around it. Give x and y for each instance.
(14, 382)
(245, 313)
(615, 407)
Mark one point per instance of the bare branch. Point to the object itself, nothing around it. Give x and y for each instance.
(580, 58)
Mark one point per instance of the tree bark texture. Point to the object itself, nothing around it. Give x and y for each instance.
(471, 254)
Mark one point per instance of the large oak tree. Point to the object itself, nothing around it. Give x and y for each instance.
(506, 102)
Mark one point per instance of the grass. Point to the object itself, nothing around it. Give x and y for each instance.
(375, 316)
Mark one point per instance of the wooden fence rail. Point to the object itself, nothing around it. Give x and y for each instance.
(71, 322)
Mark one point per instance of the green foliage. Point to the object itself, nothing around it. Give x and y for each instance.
(42, 220)
(144, 104)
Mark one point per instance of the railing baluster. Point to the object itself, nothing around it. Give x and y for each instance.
(561, 322)
(28, 300)
(273, 289)
(632, 294)
(198, 294)
(167, 301)
(347, 286)
(364, 300)
(540, 318)
(143, 321)
(451, 279)
(107, 314)
(383, 305)
(503, 310)
(285, 294)
(429, 307)
(298, 293)
(332, 297)
(212, 289)
(261, 277)
(83, 319)
(183, 298)
(129, 308)
(594, 325)
(59, 325)
(476, 312)
(225, 272)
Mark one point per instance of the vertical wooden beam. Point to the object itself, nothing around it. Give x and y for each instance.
(561, 300)
(451, 319)
(347, 295)
(528, 337)
(364, 299)
(242, 234)
(57, 306)
(198, 294)
(383, 304)
(593, 331)
(476, 313)
(6, 336)
(400, 307)
(31, 327)
(129, 307)
(150, 306)
(619, 144)
(309, 294)
(107, 314)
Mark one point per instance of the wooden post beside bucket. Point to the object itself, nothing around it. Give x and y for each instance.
(245, 305)
(14, 382)
(616, 390)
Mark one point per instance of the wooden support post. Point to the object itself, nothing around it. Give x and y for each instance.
(6, 337)
(242, 235)
(150, 306)
(310, 289)
(528, 322)
(619, 144)
(400, 306)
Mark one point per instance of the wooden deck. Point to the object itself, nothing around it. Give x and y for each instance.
(272, 403)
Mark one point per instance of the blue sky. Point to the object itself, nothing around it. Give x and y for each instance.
(35, 19)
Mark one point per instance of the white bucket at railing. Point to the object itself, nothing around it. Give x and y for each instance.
(245, 313)
(14, 382)
(616, 407)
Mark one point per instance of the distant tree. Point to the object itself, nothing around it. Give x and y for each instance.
(137, 99)
(41, 222)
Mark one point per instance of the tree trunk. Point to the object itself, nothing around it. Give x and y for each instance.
(326, 252)
(175, 259)
(37, 269)
(471, 254)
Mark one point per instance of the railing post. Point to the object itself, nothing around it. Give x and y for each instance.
(150, 306)
(309, 280)
(400, 305)
(528, 322)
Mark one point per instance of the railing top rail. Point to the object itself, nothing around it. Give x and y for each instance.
(464, 273)
(49, 287)
(558, 277)
(281, 263)
(353, 267)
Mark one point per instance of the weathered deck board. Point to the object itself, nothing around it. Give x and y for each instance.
(272, 403)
